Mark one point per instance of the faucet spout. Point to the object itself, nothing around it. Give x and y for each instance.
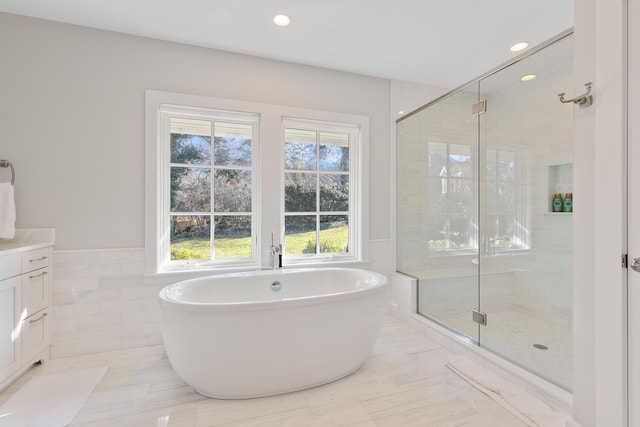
(276, 255)
(491, 243)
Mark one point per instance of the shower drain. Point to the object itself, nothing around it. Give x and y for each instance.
(541, 347)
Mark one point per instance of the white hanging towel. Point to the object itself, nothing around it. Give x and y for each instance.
(7, 211)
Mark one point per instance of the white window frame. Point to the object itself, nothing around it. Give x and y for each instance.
(167, 112)
(268, 204)
(161, 107)
(355, 188)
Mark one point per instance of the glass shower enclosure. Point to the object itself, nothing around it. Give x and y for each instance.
(484, 210)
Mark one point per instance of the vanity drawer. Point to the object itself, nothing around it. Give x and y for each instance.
(9, 265)
(35, 259)
(36, 287)
(36, 334)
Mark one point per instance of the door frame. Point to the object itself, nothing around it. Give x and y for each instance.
(633, 212)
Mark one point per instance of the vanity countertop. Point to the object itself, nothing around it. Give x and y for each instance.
(28, 239)
(9, 246)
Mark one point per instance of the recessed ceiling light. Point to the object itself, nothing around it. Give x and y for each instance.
(401, 112)
(282, 20)
(528, 77)
(519, 46)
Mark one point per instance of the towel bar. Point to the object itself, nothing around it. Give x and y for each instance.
(7, 164)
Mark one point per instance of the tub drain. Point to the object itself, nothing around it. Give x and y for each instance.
(541, 347)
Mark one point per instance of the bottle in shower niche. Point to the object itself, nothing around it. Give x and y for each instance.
(556, 203)
(568, 203)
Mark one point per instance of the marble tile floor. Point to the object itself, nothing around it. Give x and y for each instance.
(403, 383)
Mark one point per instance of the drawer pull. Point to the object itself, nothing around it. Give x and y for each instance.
(39, 318)
(38, 275)
(42, 258)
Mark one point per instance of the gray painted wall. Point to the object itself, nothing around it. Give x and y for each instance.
(72, 120)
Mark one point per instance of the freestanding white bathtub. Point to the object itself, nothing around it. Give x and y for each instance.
(261, 333)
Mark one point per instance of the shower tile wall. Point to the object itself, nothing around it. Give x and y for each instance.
(102, 303)
(543, 279)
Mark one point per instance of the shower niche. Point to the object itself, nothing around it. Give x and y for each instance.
(560, 182)
(476, 172)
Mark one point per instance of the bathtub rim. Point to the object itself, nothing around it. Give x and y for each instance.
(174, 304)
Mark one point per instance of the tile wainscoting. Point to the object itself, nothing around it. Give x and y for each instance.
(102, 300)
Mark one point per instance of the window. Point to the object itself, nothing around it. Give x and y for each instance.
(319, 190)
(210, 192)
(452, 201)
(507, 224)
(224, 176)
(453, 204)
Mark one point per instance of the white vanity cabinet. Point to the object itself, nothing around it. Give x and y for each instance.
(25, 308)
(36, 303)
(10, 305)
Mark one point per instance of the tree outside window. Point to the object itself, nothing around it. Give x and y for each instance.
(210, 189)
(317, 193)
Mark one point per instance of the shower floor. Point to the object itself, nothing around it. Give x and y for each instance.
(512, 335)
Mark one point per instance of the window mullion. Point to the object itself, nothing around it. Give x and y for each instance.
(212, 223)
(447, 235)
(317, 192)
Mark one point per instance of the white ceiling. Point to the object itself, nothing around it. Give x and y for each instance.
(438, 42)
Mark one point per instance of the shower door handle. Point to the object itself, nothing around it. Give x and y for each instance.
(635, 264)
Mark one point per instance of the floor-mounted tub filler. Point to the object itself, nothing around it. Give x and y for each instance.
(254, 334)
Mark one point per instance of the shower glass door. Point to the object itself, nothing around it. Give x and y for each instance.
(477, 172)
(437, 208)
(526, 156)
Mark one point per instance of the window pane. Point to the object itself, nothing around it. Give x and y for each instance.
(491, 198)
(190, 237)
(491, 229)
(491, 164)
(190, 141)
(299, 149)
(459, 231)
(499, 231)
(437, 159)
(334, 192)
(334, 151)
(437, 231)
(232, 144)
(300, 234)
(437, 200)
(232, 236)
(459, 197)
(506, 166)
(300, 192)
(460, 161)
(507, 198)
(190, 189)
(505, 230)
(232, 190)
(334, 233)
